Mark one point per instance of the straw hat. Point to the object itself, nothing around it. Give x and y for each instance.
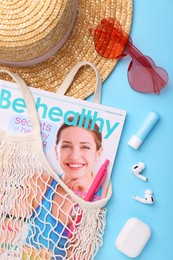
(43, 40)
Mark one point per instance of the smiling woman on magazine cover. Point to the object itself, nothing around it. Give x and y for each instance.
(77, 150)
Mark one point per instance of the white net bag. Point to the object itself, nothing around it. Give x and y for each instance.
(40, 217)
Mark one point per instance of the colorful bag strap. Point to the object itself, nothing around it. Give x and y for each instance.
(70, 76)
(30, 104)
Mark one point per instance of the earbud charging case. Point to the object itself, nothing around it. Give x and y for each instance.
(133, 237)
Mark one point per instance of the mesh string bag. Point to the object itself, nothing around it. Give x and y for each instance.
(40, 217)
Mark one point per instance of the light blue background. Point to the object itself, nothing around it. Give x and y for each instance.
(152, 33)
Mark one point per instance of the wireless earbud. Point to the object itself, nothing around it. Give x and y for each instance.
(148, 198)
(137, 169)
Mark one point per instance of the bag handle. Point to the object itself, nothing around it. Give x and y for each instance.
(28, 100)
(70, 76)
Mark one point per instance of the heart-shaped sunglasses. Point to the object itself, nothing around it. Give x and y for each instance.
(111, 42)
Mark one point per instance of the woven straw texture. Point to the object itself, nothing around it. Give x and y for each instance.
(29, 28)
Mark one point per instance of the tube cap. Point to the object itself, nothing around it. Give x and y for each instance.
(135, 142)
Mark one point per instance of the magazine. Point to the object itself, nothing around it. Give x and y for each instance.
(54, 110)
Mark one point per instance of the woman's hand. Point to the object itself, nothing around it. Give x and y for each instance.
(81, 185)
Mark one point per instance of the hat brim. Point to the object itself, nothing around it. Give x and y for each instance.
(49, 75)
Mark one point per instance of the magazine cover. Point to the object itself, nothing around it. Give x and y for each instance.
(80, 138)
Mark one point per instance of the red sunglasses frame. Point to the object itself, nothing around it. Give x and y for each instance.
(111, 42)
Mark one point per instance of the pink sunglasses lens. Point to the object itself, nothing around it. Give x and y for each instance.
(147, 79)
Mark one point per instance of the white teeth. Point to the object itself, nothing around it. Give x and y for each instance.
(76, 165)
